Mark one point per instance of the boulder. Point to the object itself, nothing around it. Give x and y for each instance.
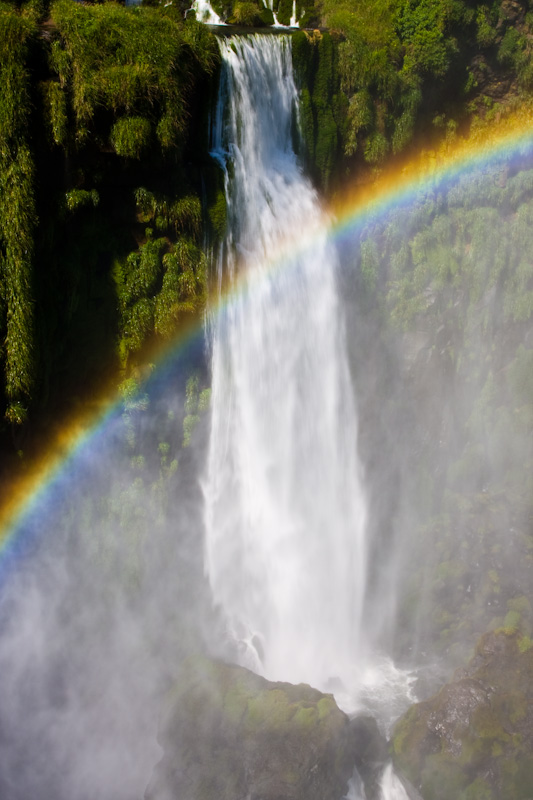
(228, 734)
(473, 740)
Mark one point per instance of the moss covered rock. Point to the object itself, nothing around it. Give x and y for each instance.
(229, 733)
(473, 740)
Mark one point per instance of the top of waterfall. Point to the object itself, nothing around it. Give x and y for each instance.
(243, 30)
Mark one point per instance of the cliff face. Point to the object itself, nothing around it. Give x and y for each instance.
(103, 124)
(474, 739)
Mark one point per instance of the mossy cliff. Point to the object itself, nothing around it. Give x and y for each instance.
(391, 75)
(103, 160)
(229, 733)
(474, 739)
(442, 316)
(17, 214)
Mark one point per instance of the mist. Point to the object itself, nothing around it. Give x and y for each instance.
(103, 600)
(438, 304)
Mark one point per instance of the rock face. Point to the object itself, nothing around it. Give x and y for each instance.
(474, 739)
(230, 734)
(371, 754)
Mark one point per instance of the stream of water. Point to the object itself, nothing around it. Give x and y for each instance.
(286, 512)
(286, 517)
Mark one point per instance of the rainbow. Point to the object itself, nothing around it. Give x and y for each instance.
(508, 140)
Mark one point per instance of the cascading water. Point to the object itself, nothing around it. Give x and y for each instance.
(285, 546)
(205, 13)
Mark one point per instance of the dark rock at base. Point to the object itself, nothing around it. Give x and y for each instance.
(230, 734)
(473, 740)
(371, 753)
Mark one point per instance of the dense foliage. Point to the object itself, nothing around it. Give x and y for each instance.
(117, 97)
(103, 139)
(134, 67)
(405, 71)
(17, 214)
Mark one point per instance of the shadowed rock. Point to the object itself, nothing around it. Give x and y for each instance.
(229, 734)
(370, 753)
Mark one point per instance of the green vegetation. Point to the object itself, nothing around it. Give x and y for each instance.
(247, 14)
(160, 281)
(17, 214)
(105, 100)
(315, 62)
(304, 733)
(130, 136)
(135, 66)
(449, 279)
(117, 99)
(405, 71)
(472, 740)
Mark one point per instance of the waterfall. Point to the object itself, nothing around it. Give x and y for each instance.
(294, 18)
(205, 13)
(285, 507)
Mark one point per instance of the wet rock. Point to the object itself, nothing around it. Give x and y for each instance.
(473, 740)
(370, 753)
(229, 734)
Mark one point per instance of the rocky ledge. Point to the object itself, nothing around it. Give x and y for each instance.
(229, 733)
(473, 740)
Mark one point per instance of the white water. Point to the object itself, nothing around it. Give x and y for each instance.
(286, 547)
(391, 786)
(205, 13)
(277, 23)
(286, 512)
(294, 23)
(294, 20)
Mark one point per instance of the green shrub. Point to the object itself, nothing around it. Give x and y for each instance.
(204, 400)
(485, 22)
(284, 11)
(422, 25)
(56, 112)
(130, 136)
(81, 198)
(17, 212)
(376, 148)
(266, 16)
(360, 118)
(218, 214)
(512, 621)
(403, 131)
(189, 424)
(245, 14)
(509, 47)
(138, 323)
(140, 62)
